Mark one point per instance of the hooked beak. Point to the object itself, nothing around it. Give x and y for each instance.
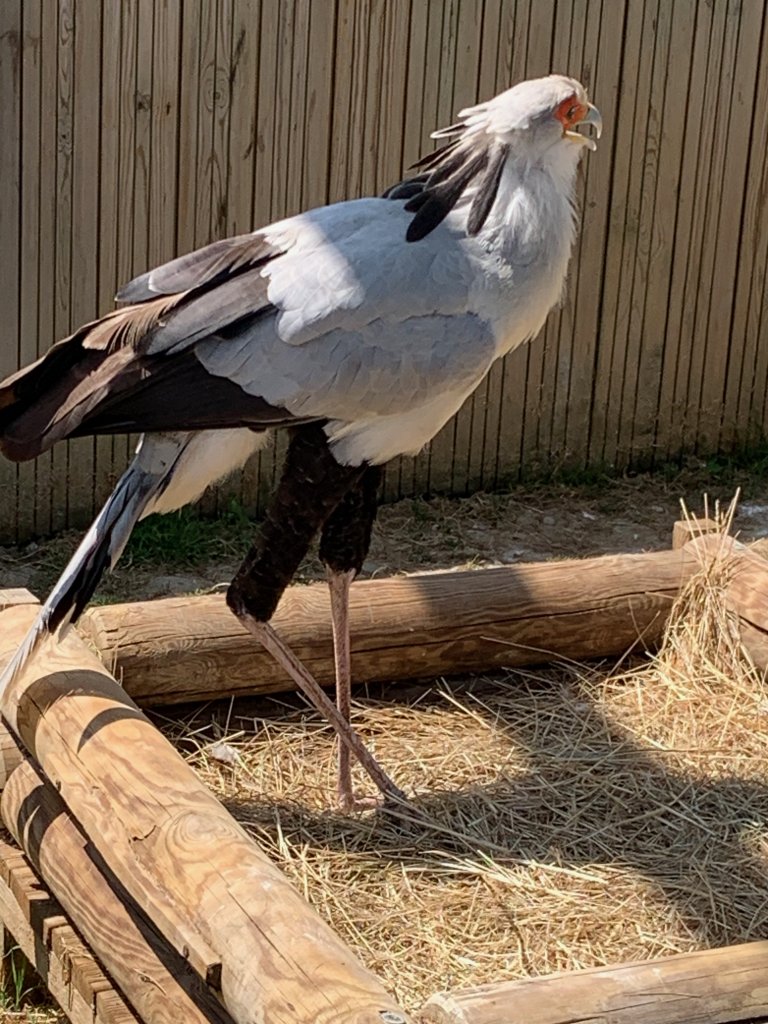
(591, 117)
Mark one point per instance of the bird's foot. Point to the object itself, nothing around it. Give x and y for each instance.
(389, 795)
(349, 802)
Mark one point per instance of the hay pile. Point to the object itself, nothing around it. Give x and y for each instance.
(562, 819)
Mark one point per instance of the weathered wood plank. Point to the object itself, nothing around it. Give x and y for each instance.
(41, 931)
(11, 51)
(722, 224)
(745, 388)
(725, 348)
(29, 237)
(84, 243)
(157, 982)
(183, 859)
(709, 986)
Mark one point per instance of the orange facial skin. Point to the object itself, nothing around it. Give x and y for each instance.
(571, 112)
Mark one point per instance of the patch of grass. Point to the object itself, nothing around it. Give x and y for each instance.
(15, 989)
(186, 538)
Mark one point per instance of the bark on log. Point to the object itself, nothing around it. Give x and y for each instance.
(423, 626)
(180, 855)
(157, 982)
(707, 987)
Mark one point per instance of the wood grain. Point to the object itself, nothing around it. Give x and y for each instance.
(66, 966)
(156, 981)
(192, 869)
(427, 625)
(709, 986)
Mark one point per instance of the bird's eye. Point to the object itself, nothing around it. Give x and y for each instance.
(569, 111)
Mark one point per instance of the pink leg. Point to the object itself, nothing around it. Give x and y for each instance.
(339, 583)
(311, 689)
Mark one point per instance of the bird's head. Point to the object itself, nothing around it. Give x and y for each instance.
(533, 125)
(534, 117)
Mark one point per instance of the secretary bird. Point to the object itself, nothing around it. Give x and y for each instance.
(361, 327)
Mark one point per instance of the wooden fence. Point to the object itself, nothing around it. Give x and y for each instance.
(136, 129)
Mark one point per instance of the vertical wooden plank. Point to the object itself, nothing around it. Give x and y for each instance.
(468, 425)
(221, 106)
(391, 116)
(63, 237)
(532, 39)
(243, 86)
(266, 116)
(106, 472)
(709, 354)
(344, 70)
(189, 111)
(48, 201)
(286, 12)
(639, 397)
(142, 174)
(667, 137)
(84, 242)
(388, 124)
(498, 32)
(759, 403)
(686, 393)
(164, 106)
(416, 475)
(267, 172)
(320, 96)
(206, 100)
(674, 368)
(601, 62)
(637, 240)
(628, 130)
(126, 210)
(481, 469)
(441, 447)
(724, 348)
(279, 63)
(742, 387)
(549, 361)
(513, 55)
(11, 56)
(219, 499)
(294, 170)
(207, 182)
(30, 56)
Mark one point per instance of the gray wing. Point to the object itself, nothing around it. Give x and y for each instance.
(330, 314)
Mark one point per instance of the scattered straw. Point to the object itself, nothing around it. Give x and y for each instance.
(561, 819)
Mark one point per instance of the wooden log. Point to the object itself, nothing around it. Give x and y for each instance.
(158, 983)
(62, 961)
(746, 589)
(710, 986)
(192, 869)
(686, 530)
(422, 626)
(11, 755)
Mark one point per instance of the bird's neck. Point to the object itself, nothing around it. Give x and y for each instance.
(533, 216)
(529, 236)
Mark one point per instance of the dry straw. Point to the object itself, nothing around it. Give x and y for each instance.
(575, 816)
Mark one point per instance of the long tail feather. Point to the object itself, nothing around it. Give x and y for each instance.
(100, 549)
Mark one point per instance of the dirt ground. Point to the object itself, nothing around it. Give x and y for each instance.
(567, 818)
(533, 523)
